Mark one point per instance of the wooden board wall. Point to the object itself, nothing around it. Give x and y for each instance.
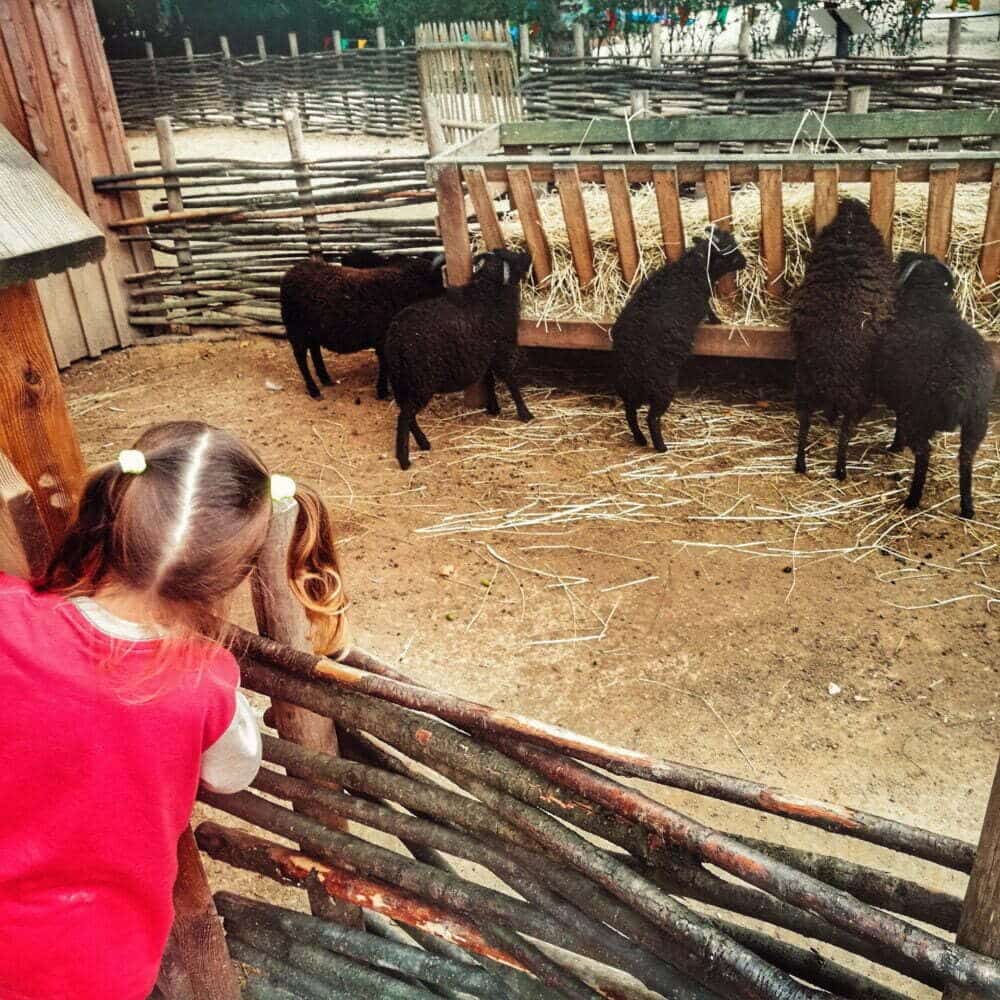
(57, 99)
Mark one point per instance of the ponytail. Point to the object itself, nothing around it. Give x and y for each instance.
(314, 574)
(81, 561)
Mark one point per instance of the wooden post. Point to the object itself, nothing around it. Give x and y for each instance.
(639, 102)
(25, 546)
(188, 50)
(579, 43)
(380, 37)
(954, 37)
(197, 964)
(280, 617)
(224, 46)
(293, 44)
(656, 46)
(433, 129)
(337, 42)
(303, 183)
(979, 928)
(744, 44)
(36, 432)
(150, 54)
(172, 185)
(261, 48)
(989, 256)
(524, 44)
(858, 99)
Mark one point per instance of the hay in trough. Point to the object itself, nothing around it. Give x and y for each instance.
(561, 298)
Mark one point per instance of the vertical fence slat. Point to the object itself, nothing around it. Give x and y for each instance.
(882, 200)
(989, 256)
(720, 214)
(523, 196)
(482, 202)
(172, 186)
(940, 208)
(577, 227)
(622, 220)
(668, 204)
(772, 229)
(303, 184)
(825, 179)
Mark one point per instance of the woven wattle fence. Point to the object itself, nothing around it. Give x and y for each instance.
(601, 876)
(373, 90)
(224, 231)
(722, 84)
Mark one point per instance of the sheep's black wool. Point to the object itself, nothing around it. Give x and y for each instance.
(453, 342)
(934, 371)
(839, 315)
(361, 259)
(348, 309)
(653, 334)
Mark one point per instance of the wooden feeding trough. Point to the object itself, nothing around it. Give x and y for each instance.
(941, 149)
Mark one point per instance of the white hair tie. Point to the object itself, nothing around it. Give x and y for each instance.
(132, 462)
(282, 488)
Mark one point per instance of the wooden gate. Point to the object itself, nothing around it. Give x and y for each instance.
(469, 75)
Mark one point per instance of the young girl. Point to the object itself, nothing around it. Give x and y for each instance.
(116, 697)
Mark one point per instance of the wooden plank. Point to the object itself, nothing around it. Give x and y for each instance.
(720, 214)
(772, 230)
(989, 257)
(940, 208)
(979, 928)
(485, 208)
(622, 220)
(766, 128)
(882, 200)
(36, 432)
(668, 204)
(825, 196)
(710, 341)
(25, 547)
(453, 224)
(577, 226)
(523, 196)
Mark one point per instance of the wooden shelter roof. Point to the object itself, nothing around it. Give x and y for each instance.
(42, 230)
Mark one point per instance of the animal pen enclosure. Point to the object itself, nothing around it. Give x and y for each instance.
(656, 158)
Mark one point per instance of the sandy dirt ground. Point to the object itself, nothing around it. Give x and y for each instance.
(706, 605)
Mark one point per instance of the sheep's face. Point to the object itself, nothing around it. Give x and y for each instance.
(506, 267)
(923, 270)
(722, 253)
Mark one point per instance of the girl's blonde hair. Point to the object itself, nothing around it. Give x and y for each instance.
(188, 530)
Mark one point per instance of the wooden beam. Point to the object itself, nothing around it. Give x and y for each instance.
(25, 546)
(523, 196)
(622, 221)
(36, 432)
(979, 928)
(577, 225)
(882, 200)
(825, 196)
(668, 205)
(720, 214)
(485, 208)
(940, 208)
(772, 230)
(989, 257)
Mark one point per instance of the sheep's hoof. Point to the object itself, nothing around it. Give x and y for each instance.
(800, 466)
(325, 380)
(493, 411)
(894, 448)
(968, 513)
(639, 440)
(840, 474)
(404, 463)
(661, 447)
(911, 504)
(526, 416)
(315, 393)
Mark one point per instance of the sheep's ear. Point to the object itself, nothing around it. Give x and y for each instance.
(506, 273)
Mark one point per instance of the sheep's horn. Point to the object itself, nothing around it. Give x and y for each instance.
(437, 262)
(481, 256)
(907, 271)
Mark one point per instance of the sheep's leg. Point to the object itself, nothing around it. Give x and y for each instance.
(805, 420)
(846, 430)
(418, 435)
(492, 405)
(898, 444)
(382, 385)
(922, 458)
(403, 437)
(302, 358)
(972, 438)
(656, 411)
(523, 413)
(632, 416)
(317, 355)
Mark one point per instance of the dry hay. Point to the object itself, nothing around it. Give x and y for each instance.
(726, 483)
(561, 298)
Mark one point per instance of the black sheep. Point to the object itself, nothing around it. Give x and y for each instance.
(347, 309)
(448, 344)
(361, 258)
(653, 334)
(934, 371)
(839, 315)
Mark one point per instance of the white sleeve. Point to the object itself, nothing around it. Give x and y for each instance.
(233, 760)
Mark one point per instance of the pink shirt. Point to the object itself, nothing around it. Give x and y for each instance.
(98, 774)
